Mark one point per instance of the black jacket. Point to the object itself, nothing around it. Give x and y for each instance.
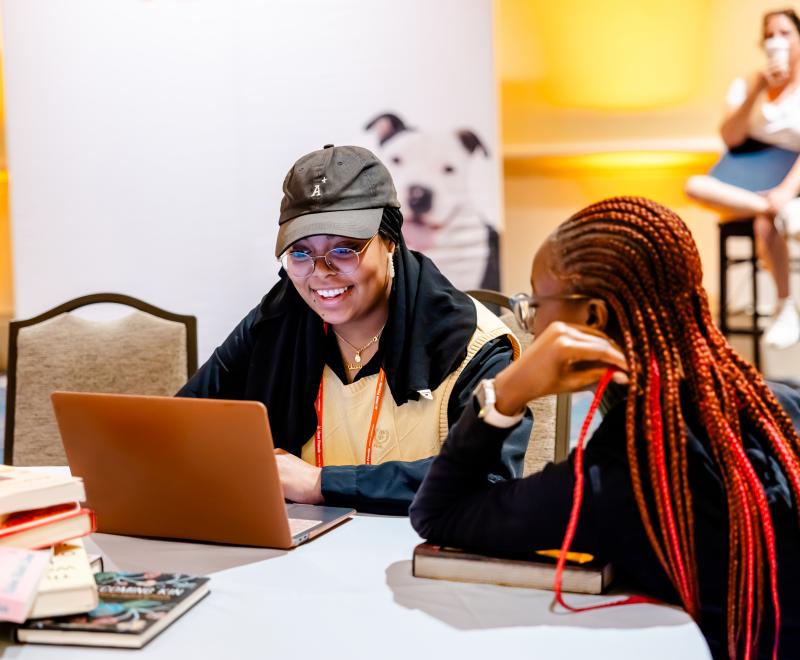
(232, 373)
(455, 506)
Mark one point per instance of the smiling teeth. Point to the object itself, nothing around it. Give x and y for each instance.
(331, 293)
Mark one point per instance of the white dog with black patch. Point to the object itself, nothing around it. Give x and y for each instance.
(430, 173)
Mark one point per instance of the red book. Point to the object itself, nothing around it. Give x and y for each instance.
(41, 528)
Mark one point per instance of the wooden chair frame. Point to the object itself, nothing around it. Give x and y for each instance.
(117, 298)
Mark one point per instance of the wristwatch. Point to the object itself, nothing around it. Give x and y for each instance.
(485, 395)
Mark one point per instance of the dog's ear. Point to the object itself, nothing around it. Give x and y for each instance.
(386, 126)
(471, 142)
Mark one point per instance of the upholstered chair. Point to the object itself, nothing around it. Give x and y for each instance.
(146, 351)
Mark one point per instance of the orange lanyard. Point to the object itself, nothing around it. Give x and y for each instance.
(373, 424)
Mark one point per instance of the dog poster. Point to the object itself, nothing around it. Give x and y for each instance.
(431, 172)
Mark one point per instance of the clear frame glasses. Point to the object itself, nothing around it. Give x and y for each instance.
(343, 260)
(524, 305)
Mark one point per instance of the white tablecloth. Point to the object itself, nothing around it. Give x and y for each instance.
(349, 594)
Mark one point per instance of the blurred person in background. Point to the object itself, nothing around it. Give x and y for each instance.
(759, 177)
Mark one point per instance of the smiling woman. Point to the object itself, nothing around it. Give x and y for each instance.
(363, 353)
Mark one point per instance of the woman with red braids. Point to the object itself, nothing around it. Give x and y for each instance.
(692, 478)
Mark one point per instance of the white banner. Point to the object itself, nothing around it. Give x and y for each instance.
(148, 139)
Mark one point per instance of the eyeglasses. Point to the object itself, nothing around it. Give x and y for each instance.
(342, 260)
(524, 305)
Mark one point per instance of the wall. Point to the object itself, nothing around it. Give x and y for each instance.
(542, 192)
(148, 139)
(6, 279)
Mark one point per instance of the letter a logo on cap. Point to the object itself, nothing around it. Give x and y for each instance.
(317, 192)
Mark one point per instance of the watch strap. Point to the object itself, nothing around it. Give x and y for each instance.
(485, 394)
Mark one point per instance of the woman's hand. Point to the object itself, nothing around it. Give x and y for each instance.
(564, 358)
(300, 481)
(779, 196)
(735, 126)
(773, 75)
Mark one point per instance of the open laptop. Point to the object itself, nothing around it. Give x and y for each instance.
(199, 469)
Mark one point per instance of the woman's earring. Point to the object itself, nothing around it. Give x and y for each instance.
(391, 264)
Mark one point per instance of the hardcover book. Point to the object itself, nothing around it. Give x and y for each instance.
(133, 609)
(20, 574)
(41, 528)
(22, 489)
(67, 586)
(442, 563)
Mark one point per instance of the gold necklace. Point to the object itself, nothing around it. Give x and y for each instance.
(359, 351)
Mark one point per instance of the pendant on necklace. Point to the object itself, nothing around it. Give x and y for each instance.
(358, 357)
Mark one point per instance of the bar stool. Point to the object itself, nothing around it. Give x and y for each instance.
(739, 228)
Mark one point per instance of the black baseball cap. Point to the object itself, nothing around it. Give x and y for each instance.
(337, 190)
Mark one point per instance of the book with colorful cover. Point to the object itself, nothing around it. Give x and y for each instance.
(67, 586)
(41, 528)
(21, 489)
(581, 573)
(133, 608)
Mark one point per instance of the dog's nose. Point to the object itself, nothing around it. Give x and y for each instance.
(420, 199)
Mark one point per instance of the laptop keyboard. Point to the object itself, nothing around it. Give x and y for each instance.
(298, 525)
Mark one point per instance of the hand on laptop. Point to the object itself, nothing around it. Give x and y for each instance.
(300, 481)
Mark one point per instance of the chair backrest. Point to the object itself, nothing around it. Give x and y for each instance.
(549, 439)
(149, 351)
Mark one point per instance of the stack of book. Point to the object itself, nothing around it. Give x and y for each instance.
(44, 568)
(61, 595)
(134, 608)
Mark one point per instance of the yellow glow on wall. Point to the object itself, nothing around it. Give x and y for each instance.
(612, 163)
(6, 292)
(628, 164)
(6, 284)
(613, 54)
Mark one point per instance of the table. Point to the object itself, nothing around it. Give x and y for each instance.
(349, 594)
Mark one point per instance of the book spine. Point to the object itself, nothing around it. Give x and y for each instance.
(36, 521)
(20, 574)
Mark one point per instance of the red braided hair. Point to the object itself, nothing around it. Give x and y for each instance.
(641, 259)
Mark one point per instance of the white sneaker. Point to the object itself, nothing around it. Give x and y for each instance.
(787, 220)
(784, 330)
